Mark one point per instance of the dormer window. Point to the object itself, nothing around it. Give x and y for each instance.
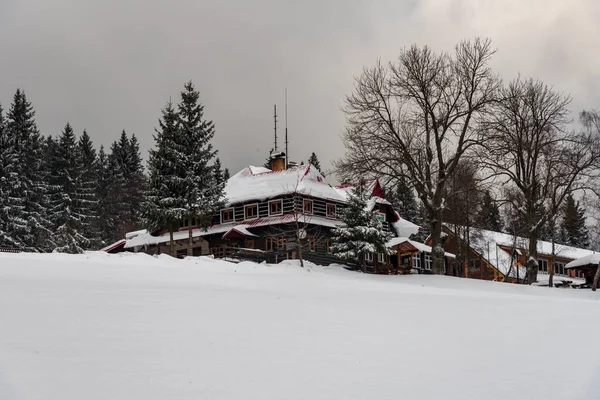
(227, 215)
(251, 211)
(276, 207)
(308, 207)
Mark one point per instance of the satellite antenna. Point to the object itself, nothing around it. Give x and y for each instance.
(275, 122)
(287, 157)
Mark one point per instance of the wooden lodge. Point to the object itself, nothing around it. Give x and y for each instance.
(265, 210)
(487, 255)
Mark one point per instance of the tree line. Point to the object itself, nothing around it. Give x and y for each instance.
(62, 194)
(431, 118)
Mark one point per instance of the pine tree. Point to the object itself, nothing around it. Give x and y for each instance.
(28, 191)
(576, 232)
(204, 194)
(314, 161)
(218, 172)
(165, 204)
(423, 223)
(65, 213)
(7, 175)
(105, 225)
(489, 214)
(362, 232)
(402, 198)
(86, 200)
(226, 175)
(125, 194)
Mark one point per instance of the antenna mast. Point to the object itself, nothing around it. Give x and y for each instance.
(275, 122)
(286, 135)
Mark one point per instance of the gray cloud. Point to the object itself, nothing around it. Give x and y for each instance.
(107, 65)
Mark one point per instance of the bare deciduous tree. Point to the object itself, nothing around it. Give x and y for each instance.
(529, 147)
(417, 117)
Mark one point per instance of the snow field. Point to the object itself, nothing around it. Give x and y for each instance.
(100, 326)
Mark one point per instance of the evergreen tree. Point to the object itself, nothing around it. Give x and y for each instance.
(204, 194)
(65, 211)
(218, 172)
(165, 204)
(226, 175)
(362, 232)
(576, 232)
(314, 161)
(28, 190)
(403, 200)
(7, 175)
(86, 199)
(105, 225)
(125, 193)
(423, 224)
(489, 214)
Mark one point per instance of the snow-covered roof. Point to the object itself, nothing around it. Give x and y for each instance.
(593, 259)
(143, 237)
(487, 244)
(417, 245)
(241, 229)
(404, 228)
(258, 183)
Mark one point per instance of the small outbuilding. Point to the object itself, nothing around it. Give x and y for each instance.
(589, 266)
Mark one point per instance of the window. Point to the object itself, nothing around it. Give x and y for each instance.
(281, 242)
(276, 207)
(369, 257)
(416, 261)
(251, 211)
(559, 268)
(270, 243)
(328, 245)
(331, 211)
(543, 265)
(312, 246)
(381, 258)
(308, 207)
(428, 261)
(227, 215)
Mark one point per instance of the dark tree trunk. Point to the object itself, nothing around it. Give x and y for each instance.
(596, 278)
(437, 251)
(532, 259)
(171, 244)
(364, 263)
(551, 272)
(190, 244)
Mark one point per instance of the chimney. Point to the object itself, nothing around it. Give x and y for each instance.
(278, 161)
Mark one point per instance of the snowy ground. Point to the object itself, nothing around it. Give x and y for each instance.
(137, 327)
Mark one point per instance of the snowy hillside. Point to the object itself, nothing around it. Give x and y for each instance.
(100, 326)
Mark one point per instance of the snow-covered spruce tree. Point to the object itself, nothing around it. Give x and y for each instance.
(86, 200)
(7, 172)
(204, 194)
(402, 198)
(125, 193)
(66, 174)
(28, 226)
(489, 214)
(105, 225)
(575, 231)
(165, 204)
(219, 173)
(362, 232)
(226, 175)
(314, 161)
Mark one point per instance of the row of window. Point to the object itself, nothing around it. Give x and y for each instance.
(275, 208)
(559, 268)
(273, 243)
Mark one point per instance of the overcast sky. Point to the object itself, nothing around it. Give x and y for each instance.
(108, 65)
